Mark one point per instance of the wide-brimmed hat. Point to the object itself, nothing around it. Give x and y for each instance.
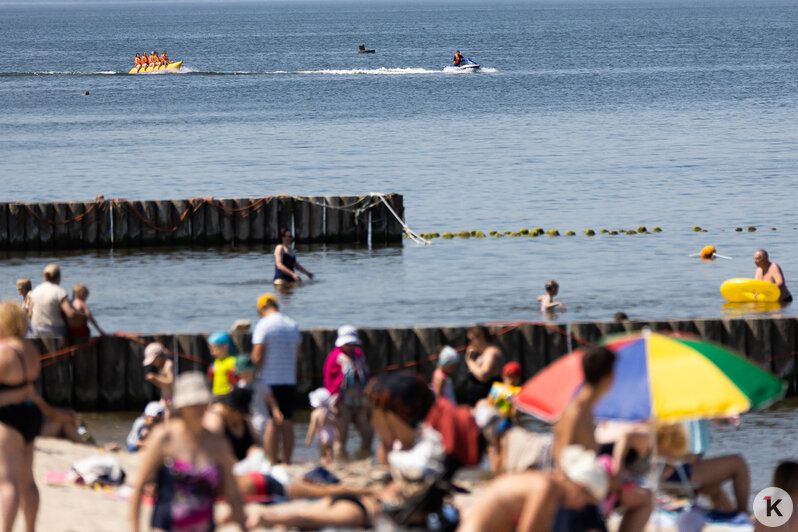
(191, 389)
(347, 335)
(318, 397)
(153, 351)
(581, 467)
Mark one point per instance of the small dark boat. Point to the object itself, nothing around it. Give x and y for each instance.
(362, 50)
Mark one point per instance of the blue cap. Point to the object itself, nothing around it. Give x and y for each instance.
(221, 337)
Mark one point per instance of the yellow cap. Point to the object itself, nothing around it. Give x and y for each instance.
(266, 299)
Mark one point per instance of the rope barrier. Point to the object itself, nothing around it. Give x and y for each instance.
(418, 239)
(78, 218)
(137, 339)
(48, 359)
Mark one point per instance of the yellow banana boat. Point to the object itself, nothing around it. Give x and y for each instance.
(170, 66)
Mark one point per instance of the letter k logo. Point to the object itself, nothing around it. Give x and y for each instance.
(773, 506)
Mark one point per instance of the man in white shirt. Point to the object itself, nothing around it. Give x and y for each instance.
(51, 306)
(276, 346)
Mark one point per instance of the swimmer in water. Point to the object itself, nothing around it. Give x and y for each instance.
(771, 272)
(547, 303)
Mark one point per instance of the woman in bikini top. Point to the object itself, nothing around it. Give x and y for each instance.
(20, 417)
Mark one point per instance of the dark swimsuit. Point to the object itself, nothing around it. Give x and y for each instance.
(241, 444)
(477, 389)
(25, 417)
(357, 502)
(289, 261)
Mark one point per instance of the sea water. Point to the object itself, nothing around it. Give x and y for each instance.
(585, 115)
(594, 115)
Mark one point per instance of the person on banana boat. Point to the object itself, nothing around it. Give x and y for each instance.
(155, 60)
(164, 59)
(141, 61)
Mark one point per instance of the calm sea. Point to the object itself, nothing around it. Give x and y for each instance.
(586, 115)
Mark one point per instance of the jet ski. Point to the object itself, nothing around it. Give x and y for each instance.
(464, 65)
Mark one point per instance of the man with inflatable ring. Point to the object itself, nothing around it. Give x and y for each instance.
(771, 272)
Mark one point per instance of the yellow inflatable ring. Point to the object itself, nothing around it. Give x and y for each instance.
(741, 290)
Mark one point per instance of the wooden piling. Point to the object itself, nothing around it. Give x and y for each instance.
(348, 227)
(149, 212)
(784, 362)
(227, 222)
(536, 353)
(57, 382)
(430, 340)
(32, 225)
(271, 218)
(16, 226)
(75, 211)
(317, 213)
(709, 329)
(243, 217)
(213, 222)
(588, 332)
(302, 220)
(556, 341)
(285, 215)
(4, 225)
(111, 372)
(44, 214)
(84, 371)
(121, 216)
(333, 229)
(181, 214)
(61, 230)
(104, 224)
(198, 226)
(90, 225)
(379, 224)
(758, 346)
(395, 228)
(734, 334)
(257, 221)
(164, 221)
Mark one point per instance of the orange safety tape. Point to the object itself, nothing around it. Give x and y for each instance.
(135, 338)
(149, 223)
(48, 359)
(77, 218)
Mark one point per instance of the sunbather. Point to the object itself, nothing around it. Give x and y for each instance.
(535, 500)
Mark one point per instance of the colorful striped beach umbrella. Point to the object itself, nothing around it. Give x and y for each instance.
(669, 378)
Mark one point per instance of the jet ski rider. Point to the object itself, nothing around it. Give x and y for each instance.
(458, 58)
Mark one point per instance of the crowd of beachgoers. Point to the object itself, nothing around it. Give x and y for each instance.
(228, 434)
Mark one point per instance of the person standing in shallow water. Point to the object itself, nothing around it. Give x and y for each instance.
(771, 272)
(285, 261)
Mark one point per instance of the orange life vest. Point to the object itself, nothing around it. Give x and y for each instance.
(144, 60)
(164, 59)
(137, 60)
(153, 58)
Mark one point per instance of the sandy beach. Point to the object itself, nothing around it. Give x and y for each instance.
(74, 508)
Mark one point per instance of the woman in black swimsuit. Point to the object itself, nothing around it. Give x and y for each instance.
(20, 417)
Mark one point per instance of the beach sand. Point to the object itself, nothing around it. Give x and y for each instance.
(73, 508)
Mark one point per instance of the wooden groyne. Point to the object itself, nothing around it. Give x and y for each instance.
(106, 373)
(122, 223)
